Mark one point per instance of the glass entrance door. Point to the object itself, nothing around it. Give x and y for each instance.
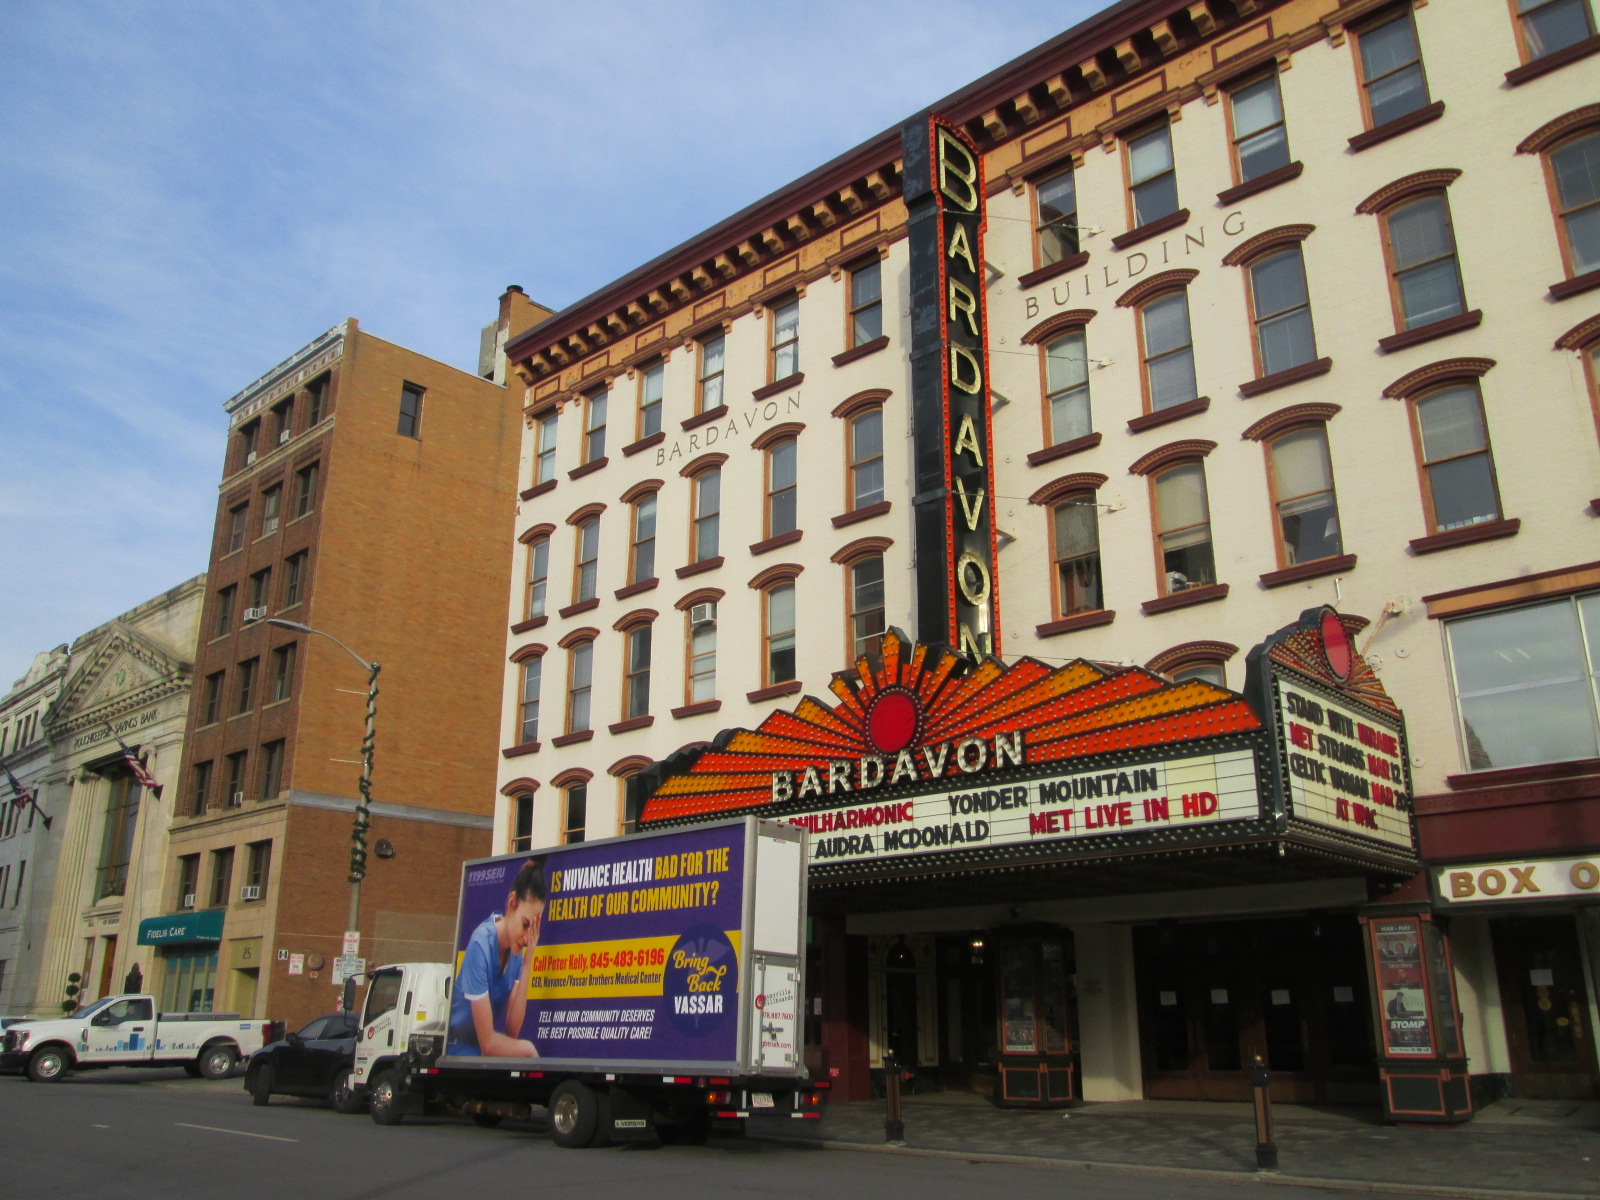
(1546, 1006)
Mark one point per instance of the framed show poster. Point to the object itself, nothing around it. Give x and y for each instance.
(1038, 1067)
(1420, 1062)
(1402, 994)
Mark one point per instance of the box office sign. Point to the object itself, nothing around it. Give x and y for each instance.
(1171, 794)
(1519, 880)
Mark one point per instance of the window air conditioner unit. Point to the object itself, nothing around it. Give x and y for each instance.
(237, 801)
(255, 614)
(703, 614)
(285, 436)
(188, 901)
(250, 892)
(249, 459)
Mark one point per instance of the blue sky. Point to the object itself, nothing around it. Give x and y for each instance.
(191, 191)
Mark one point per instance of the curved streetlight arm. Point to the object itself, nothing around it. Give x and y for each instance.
(299, 627)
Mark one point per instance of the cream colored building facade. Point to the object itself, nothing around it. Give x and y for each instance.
(1202, 540)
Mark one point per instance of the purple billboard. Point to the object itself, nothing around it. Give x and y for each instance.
(622, 950)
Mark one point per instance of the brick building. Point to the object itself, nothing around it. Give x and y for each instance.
(1283, 304)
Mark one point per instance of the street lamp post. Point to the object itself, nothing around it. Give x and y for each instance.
(358, 832)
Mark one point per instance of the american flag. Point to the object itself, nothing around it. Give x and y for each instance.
(136, 765)
(23, 797)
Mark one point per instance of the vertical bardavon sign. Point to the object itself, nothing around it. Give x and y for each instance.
(957, 589)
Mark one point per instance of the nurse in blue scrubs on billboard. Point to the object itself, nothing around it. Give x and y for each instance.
(490, 996)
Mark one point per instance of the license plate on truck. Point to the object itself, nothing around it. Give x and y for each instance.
(761, 1100)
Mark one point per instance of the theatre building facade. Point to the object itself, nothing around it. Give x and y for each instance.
(1210, 395)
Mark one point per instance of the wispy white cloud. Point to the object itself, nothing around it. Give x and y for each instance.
(191, 191)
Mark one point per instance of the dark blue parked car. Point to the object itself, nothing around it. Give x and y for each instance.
(314, 1062)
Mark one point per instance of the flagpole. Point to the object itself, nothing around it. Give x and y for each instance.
(24, 794)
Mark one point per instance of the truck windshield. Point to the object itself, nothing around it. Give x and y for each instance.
(93, 1008)
(382, 995)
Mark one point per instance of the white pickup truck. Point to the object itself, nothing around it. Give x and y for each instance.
(125, 1031)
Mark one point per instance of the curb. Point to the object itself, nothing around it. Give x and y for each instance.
(1266, 1179)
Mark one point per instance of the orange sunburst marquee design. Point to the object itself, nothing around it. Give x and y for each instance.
(916, 715)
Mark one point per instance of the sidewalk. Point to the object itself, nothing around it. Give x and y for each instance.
(1512, 1148)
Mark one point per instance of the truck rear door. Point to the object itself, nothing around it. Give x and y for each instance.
(123, 1031)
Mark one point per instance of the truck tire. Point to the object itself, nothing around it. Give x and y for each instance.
(343, 1095)
(602, 1120)
(216, 1062)
(48, 1064)
(574, 1113)
(261, 1085)
(385, 1104)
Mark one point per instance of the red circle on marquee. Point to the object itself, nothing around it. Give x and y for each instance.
(1336, 646)
(892, 722)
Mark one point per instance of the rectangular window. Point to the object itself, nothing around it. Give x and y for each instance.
(410, 411)
(783, 357)
(779, 659)
(200, 788)
(1066, 382)
(1260, 142)
(1183, 529)
(866, 459)
(1056, 220)
(642, 551)
(1422, 262)
(588, 564)
(236, 527)
(1152, 181)
(221, 877)
(260, 588)
(708, 387)
(866, 303)
(522, 824)
(258, 867)
(1550, 25)
(707, 513)
(781, 488)
(702, 657)
(305, 490)
(249, 441)
(631, 807)
(283, 672)
(580, 677)
(245, 695)
(1391, 70)
(1302, 496)
(650, 391)
(271, 770)
(1168, 351)
(538, 576)
(636, 679)
(528, 704)
(1525, 683)
(574, 812)
(225, 599)
(1457, 469)
(1576, 170)
(594, 425)
(213, 699)
(866, 606)
(317, 401)
(271, 503)
(236, 766)
(1281, 308)
(116, 844)
(294, 579)
(283, 422)
(1076, 522)
(544, 459)
(188, 879)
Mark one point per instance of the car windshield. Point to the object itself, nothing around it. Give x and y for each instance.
(315, 1030)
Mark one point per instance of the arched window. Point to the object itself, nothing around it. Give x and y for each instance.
(528, 700)
(1306, 517)
(642, 540)
(1166, 349)
(865, 467)
(580, 683)
(1075, 530)
(521, 822)
(1066, 386)
(651, 382)
(778, 634)
(782, 508)
(1183, 528)
(1575, 182)
(538, 576)
(1458, 479)
(586, 565)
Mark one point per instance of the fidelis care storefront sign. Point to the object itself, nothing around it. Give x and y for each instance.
(924, 759)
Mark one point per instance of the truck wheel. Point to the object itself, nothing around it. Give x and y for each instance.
(261, 1085)
(48, 1064)
(343, 1095)
(385, 1104)
(217, 1061)
(574, 1113)
(602, 1119)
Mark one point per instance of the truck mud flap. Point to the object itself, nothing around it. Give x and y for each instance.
(631, 1115)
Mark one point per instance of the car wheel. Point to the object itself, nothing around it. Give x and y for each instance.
(574, 1112)
(487, 1120)
(343, 1094)
(261, 1084)
(48, 1064)
(385, 1104)
(217, 1061)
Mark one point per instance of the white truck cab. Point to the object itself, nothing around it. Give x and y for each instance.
(407, 1013)
(126, 1031)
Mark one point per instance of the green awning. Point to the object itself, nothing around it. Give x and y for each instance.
(204, 926)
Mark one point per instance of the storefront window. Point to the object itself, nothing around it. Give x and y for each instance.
(191, 980)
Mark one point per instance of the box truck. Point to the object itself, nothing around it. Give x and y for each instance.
(635, 987)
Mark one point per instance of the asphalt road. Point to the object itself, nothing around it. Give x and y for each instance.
(113, 1134)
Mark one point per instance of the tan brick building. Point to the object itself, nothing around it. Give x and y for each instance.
(367, 492)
